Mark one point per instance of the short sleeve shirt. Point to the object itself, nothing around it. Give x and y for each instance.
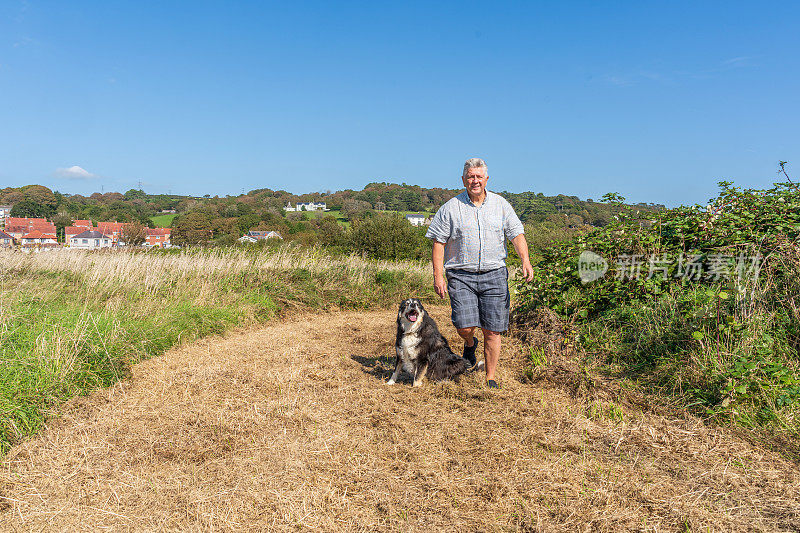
(474, 237)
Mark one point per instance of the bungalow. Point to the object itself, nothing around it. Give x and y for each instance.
(259, 235)
(90, 240)
(159, 237)
(416, 219)
(79, 226)
(6, 240)
(289, 207)
(255, 236)
(37, 237)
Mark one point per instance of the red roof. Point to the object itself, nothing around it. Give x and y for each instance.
(74, 230)
(17, 224)
(82, 223)
(159, 231)
(36, 234)
(110, 227)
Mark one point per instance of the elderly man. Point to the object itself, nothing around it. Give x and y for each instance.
(469, 253)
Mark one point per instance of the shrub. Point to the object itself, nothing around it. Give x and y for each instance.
(699, 302)
(388, 237)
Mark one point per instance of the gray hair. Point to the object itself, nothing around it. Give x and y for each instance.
(474, 162)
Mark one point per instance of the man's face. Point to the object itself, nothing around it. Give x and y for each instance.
(475, 181)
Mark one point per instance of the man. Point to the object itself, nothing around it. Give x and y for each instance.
(469, 253)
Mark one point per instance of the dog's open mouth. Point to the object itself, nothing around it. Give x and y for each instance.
(412, 316)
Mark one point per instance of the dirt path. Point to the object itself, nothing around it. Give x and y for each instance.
(289, 427)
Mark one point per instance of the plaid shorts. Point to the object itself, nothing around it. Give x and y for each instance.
(479, 298)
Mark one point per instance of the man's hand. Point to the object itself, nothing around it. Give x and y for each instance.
(440, 285)
(527, 271)
(521, 246)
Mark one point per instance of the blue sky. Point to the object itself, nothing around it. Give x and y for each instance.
(655, 100)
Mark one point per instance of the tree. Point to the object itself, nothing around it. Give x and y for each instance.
(134, 233)
(613, 198)
(193, 228)
(135, 194)
(61, 221)
(355, 208)
(32, 209)
(389, 237)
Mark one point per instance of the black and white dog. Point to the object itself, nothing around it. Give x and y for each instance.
(421, 350)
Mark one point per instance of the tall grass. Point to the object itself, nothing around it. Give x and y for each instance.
(72, 321)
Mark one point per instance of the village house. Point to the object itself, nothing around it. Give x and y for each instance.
(112, 229)
(417, 219)
(90, 240)
(307, 206)
(17, 227)
(6, 240)
(78, 226)
(255, 236)
(38, 238)
(158, 237)
(5, 212)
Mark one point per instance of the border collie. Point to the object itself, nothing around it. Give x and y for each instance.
(421, 350)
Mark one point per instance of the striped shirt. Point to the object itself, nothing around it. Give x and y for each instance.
(474, 237)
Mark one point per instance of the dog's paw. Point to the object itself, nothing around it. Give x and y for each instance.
(390, 382)
(417, 384)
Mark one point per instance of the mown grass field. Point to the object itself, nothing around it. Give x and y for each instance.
(344, 221)
(163, 221)
(72, 321)
(340, 218)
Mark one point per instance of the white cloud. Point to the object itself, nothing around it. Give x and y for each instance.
(75, 173)
(737, 60)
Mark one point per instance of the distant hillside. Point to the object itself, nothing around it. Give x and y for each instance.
(224, 219)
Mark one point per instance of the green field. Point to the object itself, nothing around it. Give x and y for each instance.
(163, 221)
(340, 218)
(344, 221)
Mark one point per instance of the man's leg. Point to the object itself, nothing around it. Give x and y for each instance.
(464, 305)
(468, 334)
(470, 343)
(491, 351)
(493, 302)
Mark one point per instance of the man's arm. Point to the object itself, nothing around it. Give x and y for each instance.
(521, 246)
(439, 283)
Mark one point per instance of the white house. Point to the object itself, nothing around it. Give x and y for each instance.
(90, 240)
(255, 236)
(311, 206)
(5, 212)
(307, 206)
(37, 237)
(416, 219)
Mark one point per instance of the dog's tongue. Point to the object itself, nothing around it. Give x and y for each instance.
(412, 317)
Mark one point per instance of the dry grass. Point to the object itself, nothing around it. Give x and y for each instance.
(197, 270)
(71, 320)
(289, 427)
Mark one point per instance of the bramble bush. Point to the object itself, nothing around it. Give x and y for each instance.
(701, 303)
